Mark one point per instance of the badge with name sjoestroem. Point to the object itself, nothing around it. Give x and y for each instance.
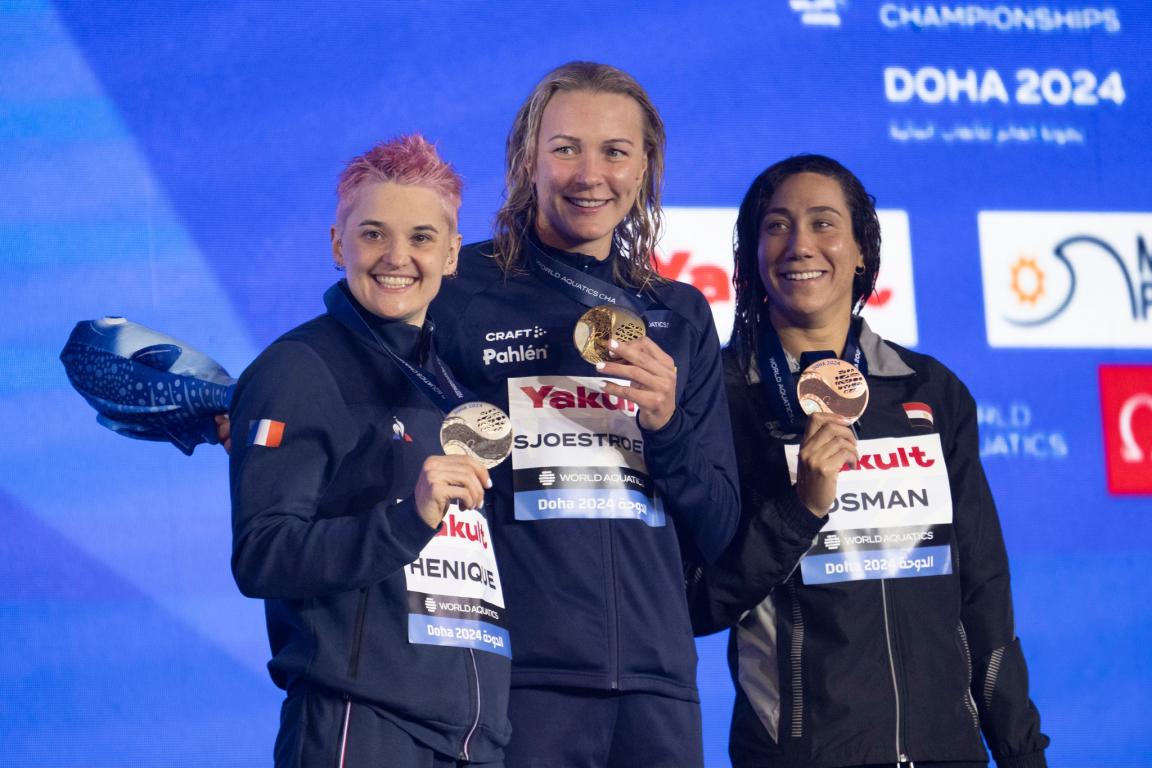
(601, 325)
(578, 453)
(892, 517)
(477, 429)
(834, 386)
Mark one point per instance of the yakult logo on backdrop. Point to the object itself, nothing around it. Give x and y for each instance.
(1126, 408)
(697, 249)
(1067, 279)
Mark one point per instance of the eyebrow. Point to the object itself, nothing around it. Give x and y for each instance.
(577, 140)
(813, 209)
(380, 224)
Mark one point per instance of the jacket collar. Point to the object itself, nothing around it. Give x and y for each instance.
(883, 361)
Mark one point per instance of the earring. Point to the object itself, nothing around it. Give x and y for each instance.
(860, 270)
(338, 267)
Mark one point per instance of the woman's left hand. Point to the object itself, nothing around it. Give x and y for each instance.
(653, 375)
(224, 431)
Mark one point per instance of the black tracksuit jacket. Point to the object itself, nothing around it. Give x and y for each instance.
(324, 524)
(873, 671)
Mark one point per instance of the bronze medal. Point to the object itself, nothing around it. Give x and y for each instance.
(477, 429)
(600, 325)
(833, 386)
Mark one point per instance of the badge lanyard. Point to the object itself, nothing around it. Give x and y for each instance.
(580, 286)
(777, 377)
(445, 393)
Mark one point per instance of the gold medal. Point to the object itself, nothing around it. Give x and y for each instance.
(833, 386)
(600, 325)
(477, 429)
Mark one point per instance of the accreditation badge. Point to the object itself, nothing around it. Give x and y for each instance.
(455, 595)
(892, 517)
(578, 453)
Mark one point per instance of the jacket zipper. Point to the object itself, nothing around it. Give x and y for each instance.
(476, 721)
(344, 731)
(901, 758)
(613, 618)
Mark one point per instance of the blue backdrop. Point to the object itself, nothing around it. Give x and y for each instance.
(174, 162)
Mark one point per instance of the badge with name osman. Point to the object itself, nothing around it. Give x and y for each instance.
(833, 386)
(477, 429)
(603, 324)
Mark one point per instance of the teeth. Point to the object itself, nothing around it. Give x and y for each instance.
(801, 275)
(390, 281)
(587, 203)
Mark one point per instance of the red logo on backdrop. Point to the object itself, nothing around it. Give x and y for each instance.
(710, 280)
(879, 297)
(1126, 405)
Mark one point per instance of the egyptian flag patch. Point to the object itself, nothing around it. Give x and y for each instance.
(266, 432)
(919, 415)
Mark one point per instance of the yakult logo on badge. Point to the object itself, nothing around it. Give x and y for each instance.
(1126, 407)
(1067, 279)
(696, 248)
(549, 396)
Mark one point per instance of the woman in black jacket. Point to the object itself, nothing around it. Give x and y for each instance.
(881, 633)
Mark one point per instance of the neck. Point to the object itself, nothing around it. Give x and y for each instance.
(797, 340)
(598, 251)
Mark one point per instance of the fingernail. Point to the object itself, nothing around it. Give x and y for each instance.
(613, 344)
(488, 484)
(600, 365)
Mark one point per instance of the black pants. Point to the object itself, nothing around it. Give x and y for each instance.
(318, 731)
(572, 728)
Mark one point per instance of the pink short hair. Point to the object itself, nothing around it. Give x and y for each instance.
(410, 159)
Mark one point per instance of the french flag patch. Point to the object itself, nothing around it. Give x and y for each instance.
(266, 432)
(919, 414)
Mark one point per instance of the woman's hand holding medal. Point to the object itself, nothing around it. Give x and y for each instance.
(652, 372)
(447, 479)
(827, 445)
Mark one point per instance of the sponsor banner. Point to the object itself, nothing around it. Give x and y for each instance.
(1126, 409)
(479, 635)
(890, 513)
(578, 452)
(696, 248)
(1067, 279)
(455, 596)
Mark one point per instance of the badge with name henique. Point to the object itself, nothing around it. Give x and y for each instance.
(833, 386)
(477, 429)
(601, 325)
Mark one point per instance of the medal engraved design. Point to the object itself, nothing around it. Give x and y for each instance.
(833, 386)
(477, 429)
(603, 324)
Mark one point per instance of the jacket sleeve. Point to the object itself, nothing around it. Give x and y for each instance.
(1008, 718)
(774, 533)
(691, 458)
(281, 546)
